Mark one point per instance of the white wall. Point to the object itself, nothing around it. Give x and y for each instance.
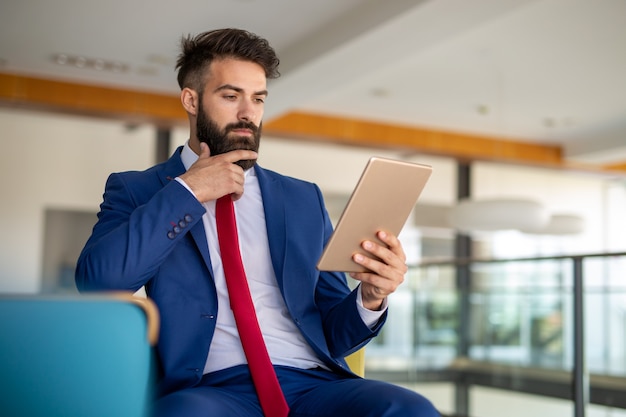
(54, 161)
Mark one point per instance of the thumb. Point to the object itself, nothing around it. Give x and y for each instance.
(205, 152)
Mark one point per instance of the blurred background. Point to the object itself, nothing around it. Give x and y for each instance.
(519, 106)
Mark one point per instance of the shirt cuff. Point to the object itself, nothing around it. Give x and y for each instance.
(369, 317)
(184, 184)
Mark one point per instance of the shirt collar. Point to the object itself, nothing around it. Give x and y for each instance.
(188, 156)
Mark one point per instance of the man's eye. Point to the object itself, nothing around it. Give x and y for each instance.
(260, 100)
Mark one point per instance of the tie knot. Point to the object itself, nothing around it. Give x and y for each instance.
(225, 200)
(224, 208)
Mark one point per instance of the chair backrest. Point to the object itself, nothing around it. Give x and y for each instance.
(356, 362)
(76, 355)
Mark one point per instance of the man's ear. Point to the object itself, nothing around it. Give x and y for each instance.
(190, 100)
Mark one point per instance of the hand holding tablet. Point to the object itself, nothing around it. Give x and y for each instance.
(382, 200)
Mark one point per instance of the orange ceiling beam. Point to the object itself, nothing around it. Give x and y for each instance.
(460, 146)
(615, 167)
(99, 101)
(166, 110)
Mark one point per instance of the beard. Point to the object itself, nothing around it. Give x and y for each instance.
(220, 141)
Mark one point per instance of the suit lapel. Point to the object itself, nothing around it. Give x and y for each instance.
(273, 206)
(172, 168)
(275, 220)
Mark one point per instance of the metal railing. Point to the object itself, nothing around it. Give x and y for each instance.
(574, 276)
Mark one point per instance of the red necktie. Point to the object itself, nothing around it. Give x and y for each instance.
(265, 381)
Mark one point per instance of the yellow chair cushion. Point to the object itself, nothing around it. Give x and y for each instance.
(356, 362)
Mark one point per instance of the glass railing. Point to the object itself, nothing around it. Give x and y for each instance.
(551, 330)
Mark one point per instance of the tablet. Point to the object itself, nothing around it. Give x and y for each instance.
(382, 200)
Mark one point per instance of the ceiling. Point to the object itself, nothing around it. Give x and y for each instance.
(545, 71)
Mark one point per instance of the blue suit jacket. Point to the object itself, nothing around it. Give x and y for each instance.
(150, 233)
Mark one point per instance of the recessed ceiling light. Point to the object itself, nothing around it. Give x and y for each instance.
(98, 64)
(159, 59)
(80, 62)
(90, 63)
(150, 71)
(60, 59)
(117, 67)
(482, 109)
(380, 92)
(563, 122)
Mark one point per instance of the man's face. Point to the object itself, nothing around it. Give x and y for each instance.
(229, 116)
(222, 140)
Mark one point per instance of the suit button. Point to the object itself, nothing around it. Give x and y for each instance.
(188, 218)
(182, 223)
(171, 234)
(177, 229)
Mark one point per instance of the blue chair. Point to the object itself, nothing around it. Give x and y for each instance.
(77, 356)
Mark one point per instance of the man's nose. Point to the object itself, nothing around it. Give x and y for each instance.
(247, 112)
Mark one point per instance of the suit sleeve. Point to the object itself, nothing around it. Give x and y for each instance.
(134, 234)
(344, 328)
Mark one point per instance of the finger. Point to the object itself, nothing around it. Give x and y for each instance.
(205, 152)
(238, 191)
(383, 262)
(364, 261)
(393, 243)
(375, 267)
(384, 257)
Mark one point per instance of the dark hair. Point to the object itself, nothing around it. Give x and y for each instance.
(198, 52)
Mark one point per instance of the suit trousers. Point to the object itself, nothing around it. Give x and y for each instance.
(309, 392)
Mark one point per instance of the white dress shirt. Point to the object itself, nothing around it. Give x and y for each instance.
(285, 344)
